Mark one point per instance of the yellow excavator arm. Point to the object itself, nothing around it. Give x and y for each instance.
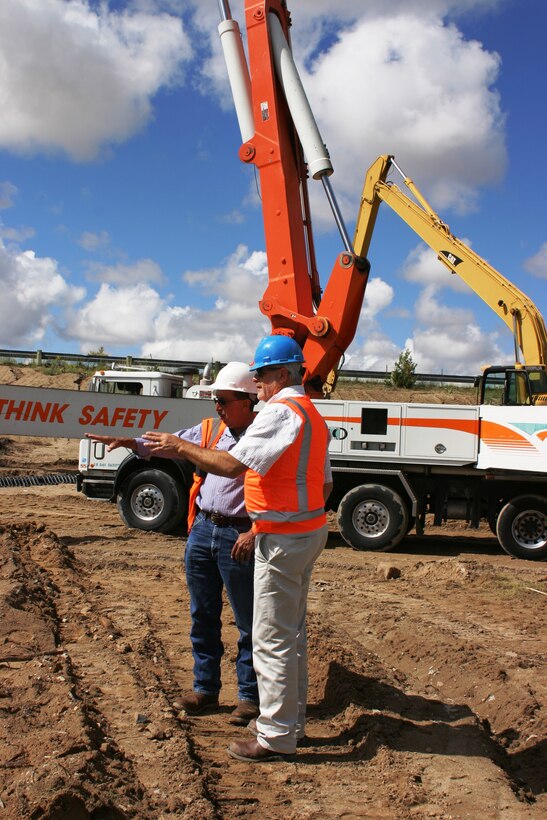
(512, 306)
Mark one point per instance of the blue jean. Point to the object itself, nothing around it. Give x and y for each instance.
(209, 568)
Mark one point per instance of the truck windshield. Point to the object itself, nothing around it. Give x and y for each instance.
(125, 388)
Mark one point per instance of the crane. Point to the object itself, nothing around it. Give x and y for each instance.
(512, 306)
(281, 139)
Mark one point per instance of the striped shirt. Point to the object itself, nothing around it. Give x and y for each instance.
(217, 493)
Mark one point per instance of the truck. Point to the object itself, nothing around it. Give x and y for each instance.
(396, 466)
(151, 494)
(121, 402)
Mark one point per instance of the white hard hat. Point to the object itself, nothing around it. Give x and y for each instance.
(234, 376)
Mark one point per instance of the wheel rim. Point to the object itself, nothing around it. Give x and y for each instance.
(529, 529)
(371, 519)
(147, 502)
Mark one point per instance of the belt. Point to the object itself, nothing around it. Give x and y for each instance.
(226, 520)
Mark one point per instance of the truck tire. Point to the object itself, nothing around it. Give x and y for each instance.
(152, 500)
(522, 527)
(373, 517)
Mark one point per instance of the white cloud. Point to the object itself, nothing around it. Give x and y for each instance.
(93, 241)
(537, 264)
(417, 90)
(116, 316)
(378, 296)
(351, 9)
(376, 352)
(77, 77)
(422, 267)
(144, 270)
(7, 194)
(431, 312)
(458, 350)
(32, 288)
(20, 234)
(234, 325)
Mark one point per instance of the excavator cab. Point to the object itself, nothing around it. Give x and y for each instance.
(538, 385)
(515, 386)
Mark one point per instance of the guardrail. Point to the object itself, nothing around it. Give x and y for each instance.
(41, 357)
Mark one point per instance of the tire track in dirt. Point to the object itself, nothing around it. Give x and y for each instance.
(466, 653)
(53, 762)
(115, 643)
(385, 739)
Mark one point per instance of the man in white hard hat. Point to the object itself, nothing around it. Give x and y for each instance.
(288, 478)
(220, 548)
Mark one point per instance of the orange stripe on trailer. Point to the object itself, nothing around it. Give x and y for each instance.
(494, 433)
(507, 445)
(542, 435)
(463, 425)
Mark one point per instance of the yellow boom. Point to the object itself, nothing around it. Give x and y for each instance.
(506, 300)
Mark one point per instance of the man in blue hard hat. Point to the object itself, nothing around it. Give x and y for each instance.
(284, 456)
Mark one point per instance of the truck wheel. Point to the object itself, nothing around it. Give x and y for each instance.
(373, 517)
(522, 527)
(152, 500)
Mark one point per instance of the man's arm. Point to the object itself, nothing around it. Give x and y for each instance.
(112, 442)
(327, 490)
(218, 462)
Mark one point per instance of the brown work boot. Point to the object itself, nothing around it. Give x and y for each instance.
(300, 741)
(196, 703)
(252, 752)
(245, 711)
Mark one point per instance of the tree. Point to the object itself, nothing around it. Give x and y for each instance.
(404, 371)
(98, 353)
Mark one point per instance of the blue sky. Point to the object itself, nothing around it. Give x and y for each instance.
(128, 221)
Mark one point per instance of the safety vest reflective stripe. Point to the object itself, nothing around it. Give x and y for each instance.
(211, 431)
(301, 472)
(280, 501)
(273, 515)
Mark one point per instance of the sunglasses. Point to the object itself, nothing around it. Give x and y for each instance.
(261, 371)
(222, 402)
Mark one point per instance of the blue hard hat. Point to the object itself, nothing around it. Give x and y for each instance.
(276, 350)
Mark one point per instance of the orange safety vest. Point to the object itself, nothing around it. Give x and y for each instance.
(289, 498)
(211, 431)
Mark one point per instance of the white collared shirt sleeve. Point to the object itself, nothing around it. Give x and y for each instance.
(274, 430)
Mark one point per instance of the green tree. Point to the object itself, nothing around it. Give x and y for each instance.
(98, 353)
(404, 371)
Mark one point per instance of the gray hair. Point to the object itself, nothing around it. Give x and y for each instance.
(295, 371)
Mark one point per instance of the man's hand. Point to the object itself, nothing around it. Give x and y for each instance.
(165, 445)
(112, 442)
(244, 547)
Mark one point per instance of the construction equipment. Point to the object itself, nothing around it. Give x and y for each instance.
(151, 494)
(395, 465)
(281, 139)
(527, 380)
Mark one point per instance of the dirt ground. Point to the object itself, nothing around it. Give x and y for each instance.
(427, 675)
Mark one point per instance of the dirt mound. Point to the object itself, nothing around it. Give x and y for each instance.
(32, 377)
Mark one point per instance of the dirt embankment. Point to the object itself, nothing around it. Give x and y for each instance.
(427, 676)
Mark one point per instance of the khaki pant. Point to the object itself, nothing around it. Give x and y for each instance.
(283, 567)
